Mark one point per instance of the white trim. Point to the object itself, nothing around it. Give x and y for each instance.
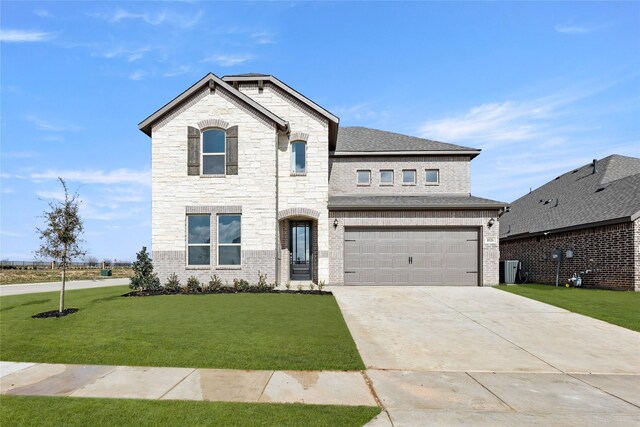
(197, 266)
(407, 153)
(437, 182)
(415, 177)
(223, 154)
(293, 160)
(386, 184)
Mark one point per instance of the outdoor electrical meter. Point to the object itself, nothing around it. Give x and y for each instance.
(569, 253)
(556, 254)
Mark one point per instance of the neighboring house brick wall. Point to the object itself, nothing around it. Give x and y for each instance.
(488, 235)
(454, 174)
(612, 250)
(636, 249)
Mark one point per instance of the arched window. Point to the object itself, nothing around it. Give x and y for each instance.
(213, 152)
(298, 157)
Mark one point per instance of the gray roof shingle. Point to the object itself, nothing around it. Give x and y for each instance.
(578, 198)
(361, 139)
(435, 201)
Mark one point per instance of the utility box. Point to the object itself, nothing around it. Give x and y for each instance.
(508, 271)
(105, 272)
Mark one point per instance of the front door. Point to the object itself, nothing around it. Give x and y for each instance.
(300, 250)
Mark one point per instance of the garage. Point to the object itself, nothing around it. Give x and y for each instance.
(411, 256)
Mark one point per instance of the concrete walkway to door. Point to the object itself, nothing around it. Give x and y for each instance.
(480, 356)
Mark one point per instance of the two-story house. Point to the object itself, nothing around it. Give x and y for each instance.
(249, 176)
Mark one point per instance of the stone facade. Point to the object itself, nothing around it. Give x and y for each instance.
(454, 175)
(613, 251)
(490, 251)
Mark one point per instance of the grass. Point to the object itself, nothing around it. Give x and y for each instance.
(11, 276)
(617, 307)
(69, 411)
(236, 331)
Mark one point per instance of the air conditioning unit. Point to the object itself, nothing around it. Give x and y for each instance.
(508, 271)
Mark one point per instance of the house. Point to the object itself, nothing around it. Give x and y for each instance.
(249, 176)
(593, 212)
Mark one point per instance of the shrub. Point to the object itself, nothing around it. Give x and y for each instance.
(262, 282)
(193, 285)
(299, 287)
(287, 284)
(173, 283)
(311, 286)
(321, 285)
(144, 279)
(215, 283)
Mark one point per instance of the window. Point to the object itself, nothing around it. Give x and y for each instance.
(199, 239)
(409, 177)
(432, 176)
(213, 152)
(298, 157)
(364, 177)
(386, 177)
(229, 240)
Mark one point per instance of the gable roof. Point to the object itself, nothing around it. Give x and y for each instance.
(578, 199)
(365, 141)
(407, 202)
(210, 79)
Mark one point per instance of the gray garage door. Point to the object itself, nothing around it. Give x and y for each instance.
(411, 256)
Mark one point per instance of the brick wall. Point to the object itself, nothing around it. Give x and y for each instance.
(612, 250)
(454, 174)
(488, 235)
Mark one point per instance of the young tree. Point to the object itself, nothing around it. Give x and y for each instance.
(144, 279)
(61, 236)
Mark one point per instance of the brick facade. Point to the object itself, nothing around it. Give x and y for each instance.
(612, 250)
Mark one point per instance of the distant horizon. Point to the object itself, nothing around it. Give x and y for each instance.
(541, 88)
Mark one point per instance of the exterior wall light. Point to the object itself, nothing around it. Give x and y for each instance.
(491, 222)
(335, 223)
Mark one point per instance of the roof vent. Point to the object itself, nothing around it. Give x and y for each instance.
(546, 202)
(600, 189)
(593, 165)
(574, 171)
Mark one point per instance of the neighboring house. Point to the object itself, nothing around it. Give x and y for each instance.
(592, 211)
(250, 176)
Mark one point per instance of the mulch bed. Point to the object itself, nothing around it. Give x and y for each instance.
(55, 313)
(226, 290)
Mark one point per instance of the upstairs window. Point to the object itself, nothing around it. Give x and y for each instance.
(298, 157)
(432, 176)
(199, 239)
(364, 177)
(386, 177)
(229, 240)
(409, 177)
(213, 152)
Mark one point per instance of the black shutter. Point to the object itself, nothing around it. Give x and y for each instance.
(193, 151)
(232, 150)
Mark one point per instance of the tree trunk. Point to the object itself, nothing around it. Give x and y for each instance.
(64, 271)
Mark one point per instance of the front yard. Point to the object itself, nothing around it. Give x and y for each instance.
(68, 411)
(236, 331)
(617, 307)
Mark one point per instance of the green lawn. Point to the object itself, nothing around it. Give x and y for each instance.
(617, 307)
(69, 411)
(237, 331)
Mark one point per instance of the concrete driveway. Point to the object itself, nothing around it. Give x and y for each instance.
(481, 356)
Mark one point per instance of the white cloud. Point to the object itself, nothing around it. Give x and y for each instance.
(359, 112)
(9, 233)
(136, 75)
(183, 69)
(89, 176)
(572, 29)
(43, 13)
(44, 124)
(153, 18)
(229, 60)
(19, 154)
(263, 37)
(53, 195)
(130, 54)
(21, 36)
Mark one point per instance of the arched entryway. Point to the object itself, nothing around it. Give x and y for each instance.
(298, 245)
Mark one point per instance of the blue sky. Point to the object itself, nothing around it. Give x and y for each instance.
(540, 87)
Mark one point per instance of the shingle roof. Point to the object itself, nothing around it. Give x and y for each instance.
(435, 201)
(362, 139)
(578, 199)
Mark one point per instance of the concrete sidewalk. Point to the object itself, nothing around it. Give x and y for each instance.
(230, 385)
(32, 288)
